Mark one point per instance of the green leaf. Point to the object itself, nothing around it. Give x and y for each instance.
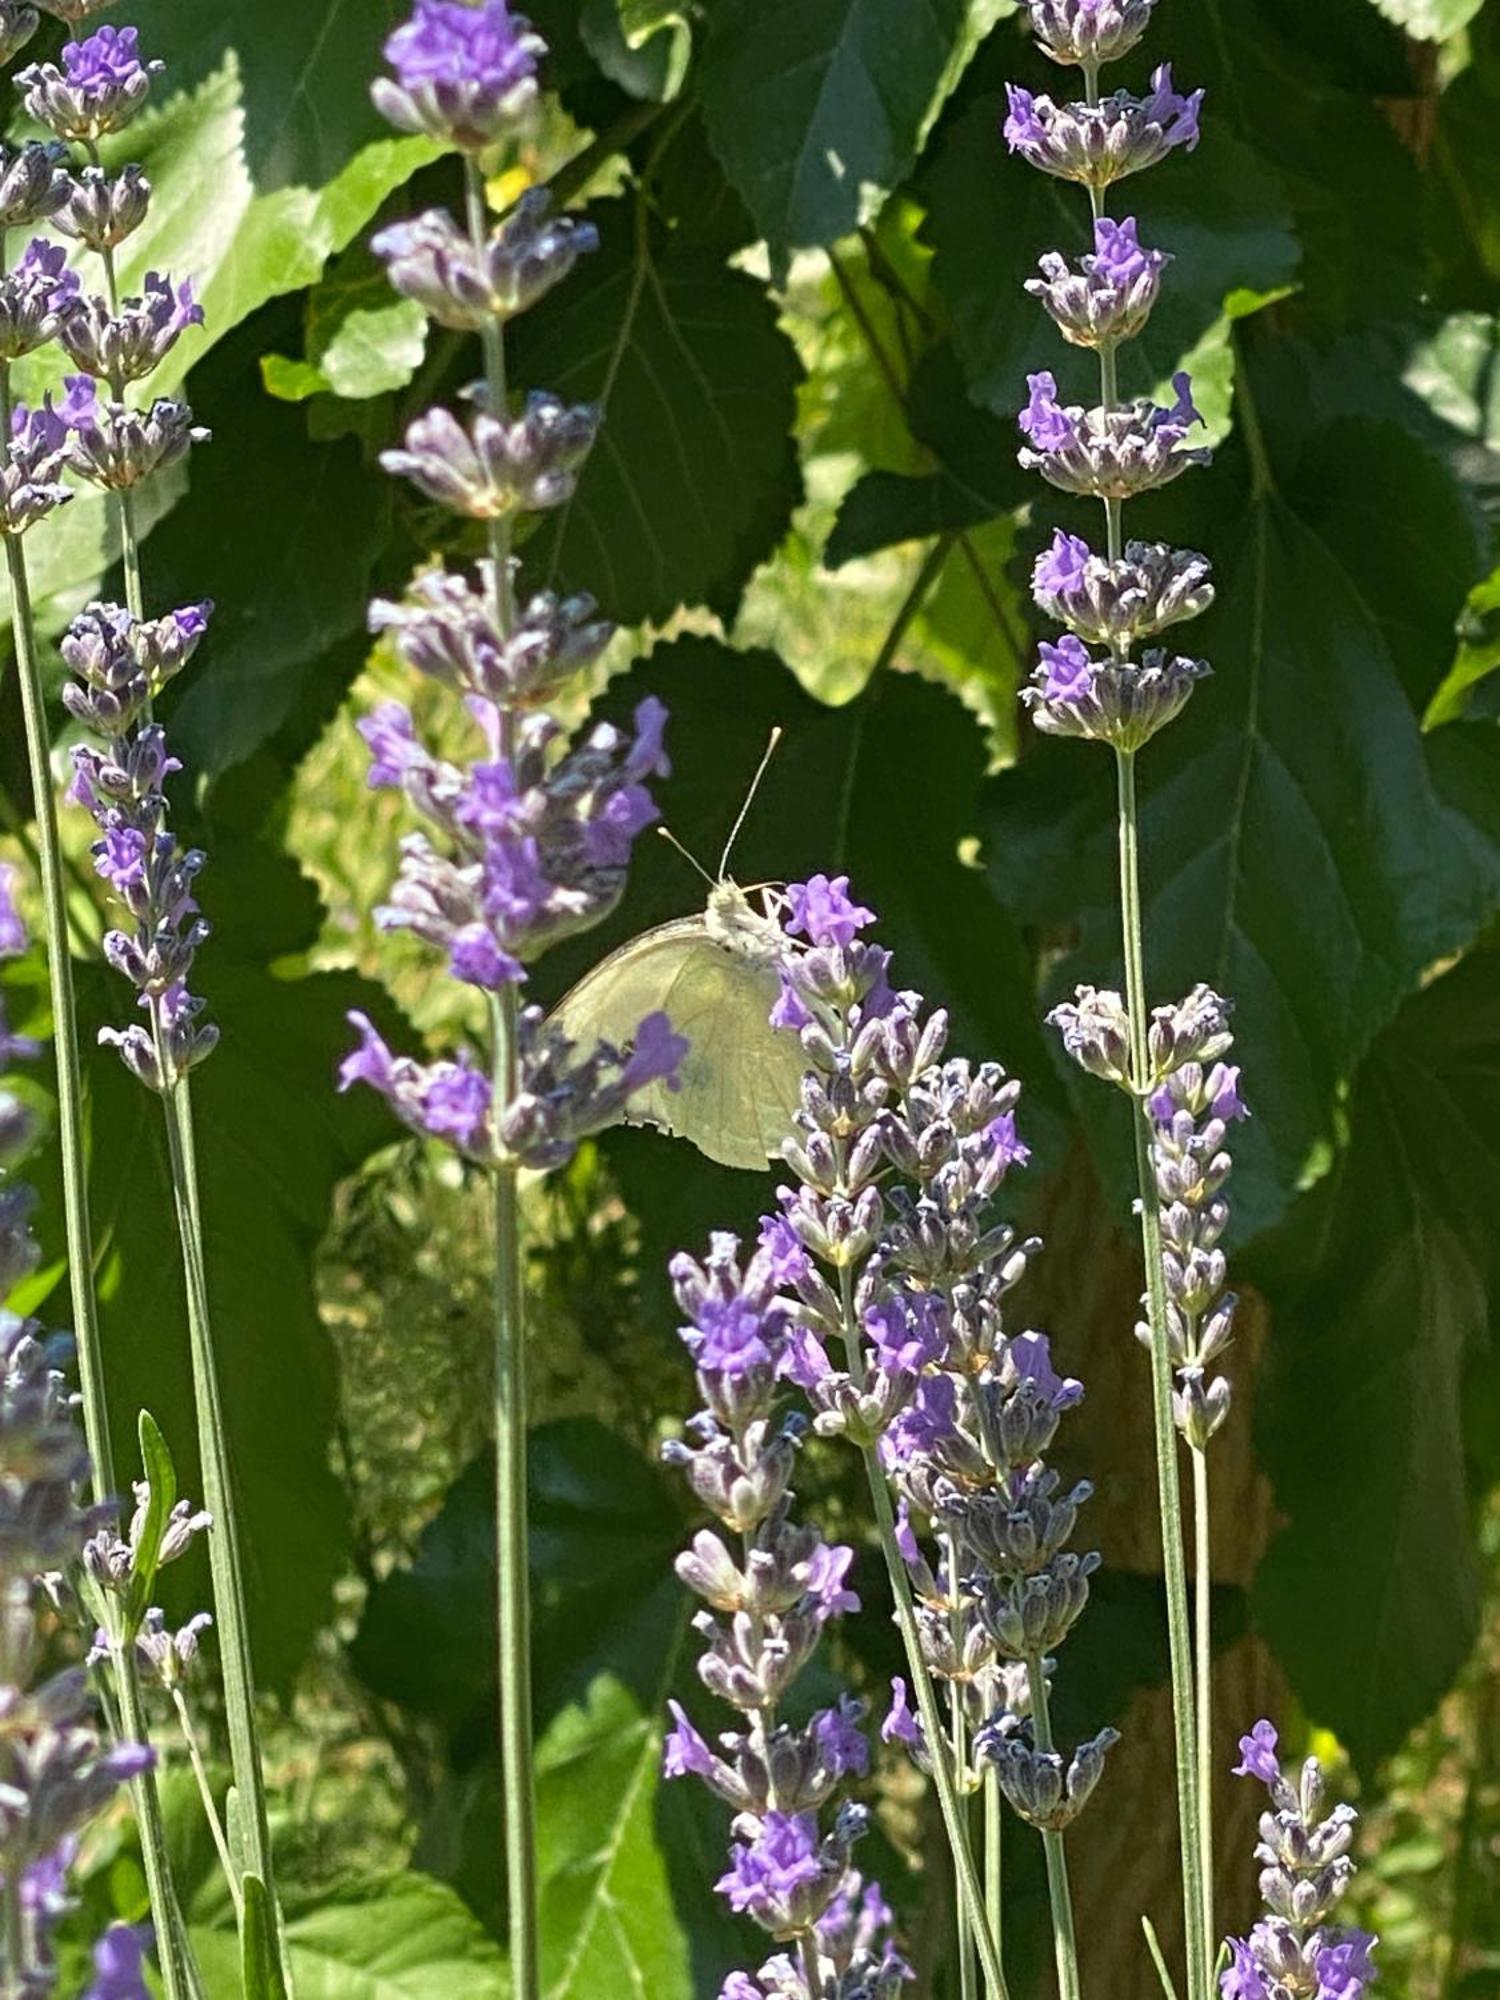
(161, 1480)
(1301, 760)
(283, 535)
(303, 75)
(818, 107)
(1430, 20)
(390, 1937)
(291, 381)
(644, 46)
(1385, 1287)
(361, 338)
(694, 477)
(990, 216)
(608, 1925)
(603, 1525)
(260, 1961)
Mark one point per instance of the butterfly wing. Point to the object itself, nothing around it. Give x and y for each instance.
(740, 1081)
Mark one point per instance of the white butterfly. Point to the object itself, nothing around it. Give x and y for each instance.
(714, 975)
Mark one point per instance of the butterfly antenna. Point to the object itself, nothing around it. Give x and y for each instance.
(691, 859)
(744, 813)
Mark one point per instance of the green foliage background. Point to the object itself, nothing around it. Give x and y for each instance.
(807, 331)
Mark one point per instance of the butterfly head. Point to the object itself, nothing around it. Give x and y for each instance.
(742, 924)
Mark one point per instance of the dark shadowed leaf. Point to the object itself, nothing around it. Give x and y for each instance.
(694, 476)
(817, 107)
(1385, 1284)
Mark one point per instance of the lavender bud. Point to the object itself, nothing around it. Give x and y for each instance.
(18, 23)
(1200, 1409)
(100, 211)
(498, 466)
(37, 296)
(1108, 295)
(29, 485)
(1095, 1030)
(1101, 143)
(130, 345)
(1195, 1030)
(116, 447)
(1089, 32)
(1035, 1782)
(434, 262)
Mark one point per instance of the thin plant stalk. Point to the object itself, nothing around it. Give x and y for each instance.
(994, 1859)
(1203, 1641)
(1059, 1890)
(172, 1945)
(206, 1794)
(968, 1967)
(514, 1631)
(1190, 1804)
(225, 1564)
(1174, 1560)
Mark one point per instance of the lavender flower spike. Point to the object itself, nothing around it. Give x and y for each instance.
(1297, 1947)
(463, 73)
(769, 1594)
(1113, 604)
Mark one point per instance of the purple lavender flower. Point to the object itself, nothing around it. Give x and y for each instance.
(1113, 604)
(1109, 700)
(37, 295)
(1089, 32)
(119, 665)
(128, 346)
(1109, 454)
(1098, 144)
(101, 86)
(535, 847)
(1297, 1948)
(464, 73)
(119, 1964)
(1108, 295)
(114, 446)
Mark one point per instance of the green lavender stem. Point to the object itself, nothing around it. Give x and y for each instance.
(514, 1635)
(1203, 1641)
(968, 1968)
(994, 1861)
(1064, 1938)
(1174, 1563)
(225, 1564)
